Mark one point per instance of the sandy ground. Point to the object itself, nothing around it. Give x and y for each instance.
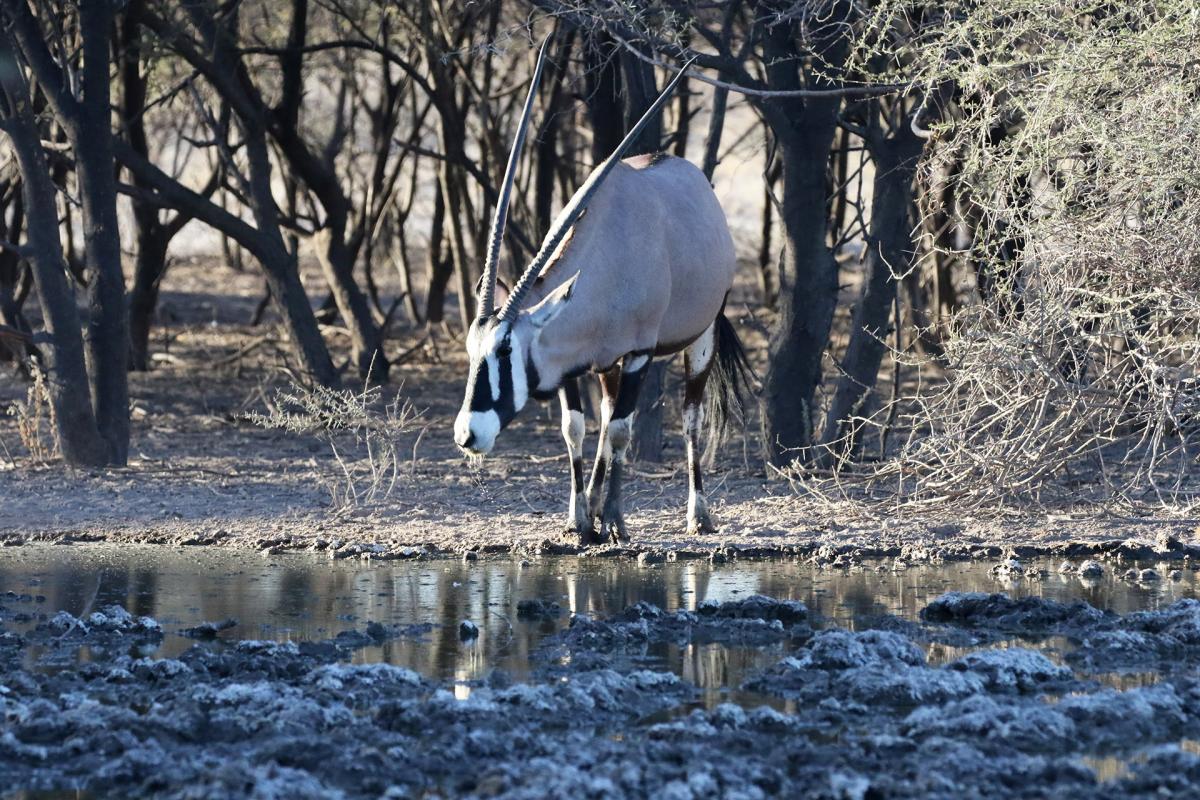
(201, 473)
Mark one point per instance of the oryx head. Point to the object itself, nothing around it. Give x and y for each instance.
(502, 372)
(501, 344)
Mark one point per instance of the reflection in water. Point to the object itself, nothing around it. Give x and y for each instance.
(300, 597)
(1114, 768)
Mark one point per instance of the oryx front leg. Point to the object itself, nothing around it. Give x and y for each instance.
(697, 363)
(579, 521)
(610, 383)
(620, 402)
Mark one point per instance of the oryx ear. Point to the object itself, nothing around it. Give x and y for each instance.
(501, 290)
(553, 303)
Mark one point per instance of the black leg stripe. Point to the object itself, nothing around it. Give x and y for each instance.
(614, 484)
(570, 390)
(627, 394)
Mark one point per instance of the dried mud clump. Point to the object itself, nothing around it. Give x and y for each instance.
(867, 714)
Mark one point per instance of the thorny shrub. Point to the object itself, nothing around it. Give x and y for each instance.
(35, 420)
(1070, 149)
(360, 430)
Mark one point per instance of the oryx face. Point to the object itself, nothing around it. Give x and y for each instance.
(501, 355)
(497, 384)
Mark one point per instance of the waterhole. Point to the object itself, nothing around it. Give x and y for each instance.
(588, 677)
(305, 597)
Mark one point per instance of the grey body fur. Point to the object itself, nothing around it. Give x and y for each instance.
(655, 260)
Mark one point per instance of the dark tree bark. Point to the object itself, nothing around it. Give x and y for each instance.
(768, 264)
(263, 240)
(13, 271)
(153, 235)
(438, 269)
(70, 395)
(716, 128)
(547, 139)
(605, 109)
(890, 251)
(108, 322)
(804, 133)
(335, 245)
(86, 121)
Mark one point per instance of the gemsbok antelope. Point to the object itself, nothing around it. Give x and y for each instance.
(643, 273)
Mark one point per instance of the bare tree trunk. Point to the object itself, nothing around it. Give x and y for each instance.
(438, 269)
(108, 322)
(70, 396)
(547, 138)
(716, 128)
(12, 272)
(152, 236)
(603, 97)
(808, 288)
(768, 262)
(890, 251)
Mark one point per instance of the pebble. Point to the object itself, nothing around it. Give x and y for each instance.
(468, 630)
(470, 555)
(1066, 568)
(1175, 575)
(1147, 576)
(1091, 569)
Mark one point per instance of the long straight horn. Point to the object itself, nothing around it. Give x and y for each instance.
(578, 205)
(491, 264)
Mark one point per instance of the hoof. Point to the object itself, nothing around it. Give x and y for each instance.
(612, 530)
(591, 538)
(585, 535)
(700, 525)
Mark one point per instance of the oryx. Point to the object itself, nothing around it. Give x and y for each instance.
(644, 273)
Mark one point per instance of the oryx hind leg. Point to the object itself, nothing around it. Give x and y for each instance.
(579, 521)
(697, 364)
(620, 388)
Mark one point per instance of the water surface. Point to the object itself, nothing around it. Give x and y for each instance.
(304, 596)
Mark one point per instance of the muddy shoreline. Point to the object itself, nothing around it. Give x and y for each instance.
(1167, 546)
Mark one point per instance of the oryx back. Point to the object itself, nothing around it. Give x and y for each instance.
(655, 260)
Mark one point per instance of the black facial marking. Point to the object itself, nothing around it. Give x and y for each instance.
(504, 406)
(481, 392)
